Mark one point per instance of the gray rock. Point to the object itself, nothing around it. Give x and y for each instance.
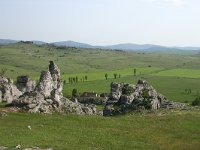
(25, 84)
(9, 91)
(127, 97)
(3, 148)
(46, 84)
(3, 114)
(47, 97)
(1, 95)
(116, 91)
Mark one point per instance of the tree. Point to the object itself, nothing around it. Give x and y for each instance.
(74, 93)
(196, 102)
(86, 78)
(74, 79)
(106, 76)
(119, 76)
(135, 72)
(64, 82)
(115, 75)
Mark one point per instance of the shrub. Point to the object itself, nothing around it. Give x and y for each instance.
(75, 93)
(196, 102)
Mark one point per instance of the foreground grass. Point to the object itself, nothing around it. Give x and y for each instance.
(174, 130)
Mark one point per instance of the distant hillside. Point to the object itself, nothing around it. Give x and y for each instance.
(7, 41)
(72, 44)
(123, 46)
(130, 46)
(39, 42)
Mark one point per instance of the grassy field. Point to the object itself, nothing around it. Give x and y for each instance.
(169, 73)
(187, 73)
(172, 87)
(122, 72)
(161, 130)
(30, 59)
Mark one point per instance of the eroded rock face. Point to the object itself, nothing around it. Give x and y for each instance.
(9, 91)
(128, 97)
(25, 84)
(47, 96)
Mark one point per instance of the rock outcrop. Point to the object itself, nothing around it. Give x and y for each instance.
(25, 84)
(128, 97)
(47, 96)
(8, 91)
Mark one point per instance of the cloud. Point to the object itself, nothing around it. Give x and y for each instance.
(174, 2)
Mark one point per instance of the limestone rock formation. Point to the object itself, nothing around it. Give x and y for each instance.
(25, 84)
(47, 96)
(128, 97)
(8, 91)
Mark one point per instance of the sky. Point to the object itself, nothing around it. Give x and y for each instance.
(102, 22)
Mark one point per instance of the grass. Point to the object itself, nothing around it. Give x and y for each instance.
(176, 130)
(187, 73)
(122, 72)
(172, 87)
(30, 59)
(170, 74)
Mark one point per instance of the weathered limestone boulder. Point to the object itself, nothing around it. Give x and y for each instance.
(47, 97)
(34, 102)
(70, 107)
(45, 84)
(9, 91)
(25, 84)
(50, 84)
(128, 97)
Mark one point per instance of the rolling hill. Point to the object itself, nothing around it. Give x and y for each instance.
(123, 46)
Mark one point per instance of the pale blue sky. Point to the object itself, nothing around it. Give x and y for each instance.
(103, 22)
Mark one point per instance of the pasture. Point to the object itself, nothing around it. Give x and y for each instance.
(169, 73)
(154, 131)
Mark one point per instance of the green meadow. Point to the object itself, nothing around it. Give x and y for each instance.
(187, 73)
(154, 131)
(169, 73)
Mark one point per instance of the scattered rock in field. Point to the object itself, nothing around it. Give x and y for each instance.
(18, 147)
(3, 114)
(29, 127)
(172, 105)
(128, 97)
(1, 95)
(3, 148)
